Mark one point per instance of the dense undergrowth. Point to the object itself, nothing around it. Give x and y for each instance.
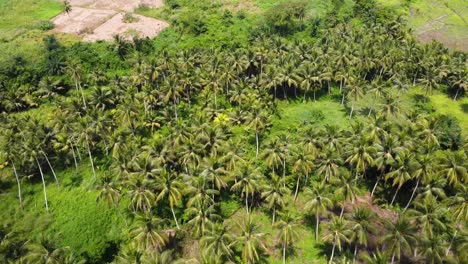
(235, 136)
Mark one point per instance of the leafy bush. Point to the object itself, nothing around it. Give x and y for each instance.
(45, 25)
(172, 4)
(285, 18)
(192, 23)
(449, 133)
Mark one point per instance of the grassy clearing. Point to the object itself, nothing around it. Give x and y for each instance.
(296, 113)
(19, 16)
(75, 219)
(459, 109)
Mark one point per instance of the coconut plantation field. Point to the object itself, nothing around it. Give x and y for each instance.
(233, 131)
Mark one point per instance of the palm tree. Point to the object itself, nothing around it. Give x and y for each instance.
(141, 196)
(219, 242)
(362, 226)
(454, 168)
(355, 92)
(318, 203)
(329, 162)
(169, 187)
(247, 183)
(67, 8)
(75, 71)
(45, 252)
(257, 121)
(423, 172)
(202, 217)
(347, 188)
(338, 232)
(274, 194)
(287, 230)
(361, 156)
(251, 240)
(304, 163)
(400, 236)
(429, 216)
(404, 164)
(147, 234)
(433, 248)
(110, 194)
(377, 258)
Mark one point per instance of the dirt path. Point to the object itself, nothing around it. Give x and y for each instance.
(103, 19)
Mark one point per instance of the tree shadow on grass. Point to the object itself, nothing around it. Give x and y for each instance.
(464, 108)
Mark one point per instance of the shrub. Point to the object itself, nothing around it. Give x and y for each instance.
(285, 18)
(172, 4)
(45, 25)
(129, 18)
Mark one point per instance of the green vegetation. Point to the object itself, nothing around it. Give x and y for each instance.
(247, 132)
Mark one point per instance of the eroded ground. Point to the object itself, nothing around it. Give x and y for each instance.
(103, 19)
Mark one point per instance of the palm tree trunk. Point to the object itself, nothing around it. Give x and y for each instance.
(372, 106)
(74, 158)
(332, 253)
(91, 159)
(274, 214)
(247, 203)
(394, 196)
(175, 218)
(412, 195)
(456, 94)
(51, 168)
(43, 185)
(284, 253)
(317, 224)
(314, 96)
(19, 185)
(375, 186)
(82, 95)
(355, 253)
(256, 140)
(352, 110)
(297, 188)
(451, 242)
(393, 257)
(342, 99)
(342, 209)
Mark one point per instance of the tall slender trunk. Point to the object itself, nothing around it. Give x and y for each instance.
(175, 218)
(256, 140)
(332, 253)
(341, 85)
(352, 110)
(394, 196)
(51, 168)
(82, 94)
(284, 253)
(247, 203)
(375, 186)
(371, 108)
(297, 188)
(456, 94)
(451, 242)
(317, 224)
(91, 158)
(314, 96)
(355, 253)
(412, 195)
(274, 214)
(329, 88)
(342, 210)
(74, 158)
(19, 185)
(342, 99)
(393, 257)
(43, 185)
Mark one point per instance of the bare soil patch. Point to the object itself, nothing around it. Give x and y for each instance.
(103, 19)
(142, 27)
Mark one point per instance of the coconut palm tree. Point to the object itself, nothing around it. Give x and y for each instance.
(287, 231)
(304, 164)
(453, 168)
(318, 203)
(362, 226)
(110, 194)
(338, 233)
(140, 192)
(257, 121)
(45, 252)
(169, 187)
(400, 237)
(202, 218)
(246, 182)
(274, 194)
(219, 242)
(347, 188)
(251, 240)
(147, 234)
